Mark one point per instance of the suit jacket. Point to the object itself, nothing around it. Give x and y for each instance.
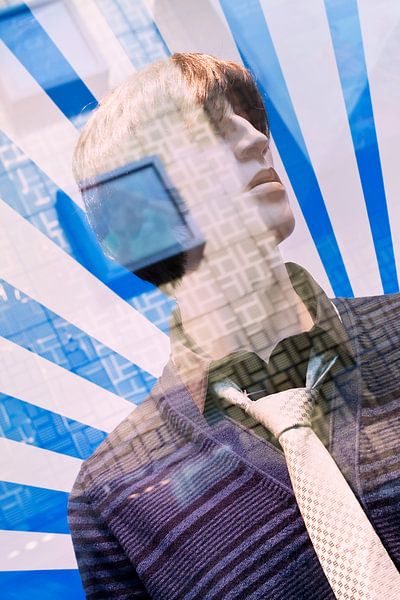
(171, 508)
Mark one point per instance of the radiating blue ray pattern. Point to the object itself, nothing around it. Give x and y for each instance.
(41, 585)
(347, 42)
(37, 199)
(31, 44)
(25, 322)
(28, 508)
(41, 203)
(136, 31)
(23, 422)
(36, 328)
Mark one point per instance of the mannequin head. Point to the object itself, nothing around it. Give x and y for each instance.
(203, 121)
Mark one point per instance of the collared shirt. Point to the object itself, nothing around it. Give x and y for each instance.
(286, 368)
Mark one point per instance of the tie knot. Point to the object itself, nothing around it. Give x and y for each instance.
(284, 410)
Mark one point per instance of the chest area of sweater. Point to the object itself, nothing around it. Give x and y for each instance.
(209, 526)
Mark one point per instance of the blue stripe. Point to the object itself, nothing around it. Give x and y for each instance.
(32, 46)
(24, 422)
(28, 508)
(346, 35)
(247, 23)
(75, 231)
(133, 26)
(166, 51)
(34, 327)
(41, 585)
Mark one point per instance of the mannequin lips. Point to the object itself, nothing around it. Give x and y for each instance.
(261, 177)
(274, 191)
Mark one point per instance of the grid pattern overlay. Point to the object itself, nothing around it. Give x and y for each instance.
(145, 32)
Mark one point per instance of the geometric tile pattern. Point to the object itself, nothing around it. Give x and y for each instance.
(27, 323)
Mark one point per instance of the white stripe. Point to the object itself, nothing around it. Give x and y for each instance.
(380, 22)
(193, 26)
(87, 42)
(39, 268)
(29, 465)
(302, 40)
(300, 247)
(49, 386)
(34, 123)
(230, 47)
(31, 551)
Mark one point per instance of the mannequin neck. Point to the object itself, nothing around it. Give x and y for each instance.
(220, 322)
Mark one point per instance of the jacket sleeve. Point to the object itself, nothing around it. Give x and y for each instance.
(105, 570)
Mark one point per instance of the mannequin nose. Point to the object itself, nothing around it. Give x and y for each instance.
(252, 145)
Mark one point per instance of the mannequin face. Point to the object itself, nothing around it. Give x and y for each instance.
(224, 175)
(229, 184)
(235, 196)
(258, 184)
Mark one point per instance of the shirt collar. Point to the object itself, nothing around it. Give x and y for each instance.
(193, 365)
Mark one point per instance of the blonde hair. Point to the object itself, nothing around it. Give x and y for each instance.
(178, 84)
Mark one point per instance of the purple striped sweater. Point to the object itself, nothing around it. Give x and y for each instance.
(170, 508)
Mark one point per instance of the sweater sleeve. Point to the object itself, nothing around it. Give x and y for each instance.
(105, 570)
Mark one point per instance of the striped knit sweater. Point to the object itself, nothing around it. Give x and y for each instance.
(171, 509)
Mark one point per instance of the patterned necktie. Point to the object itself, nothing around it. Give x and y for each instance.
(351, 554)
